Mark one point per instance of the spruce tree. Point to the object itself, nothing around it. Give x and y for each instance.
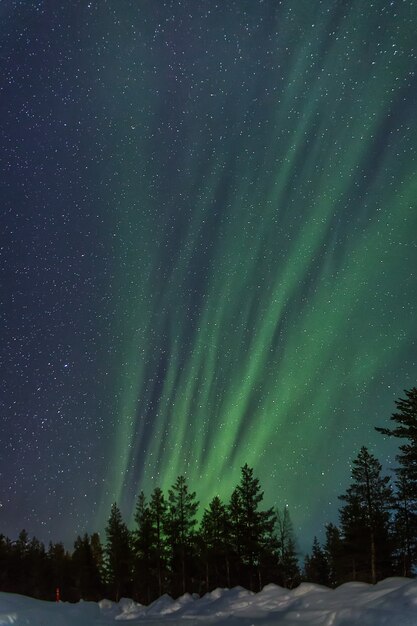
(253, 528)
(405, 526)
(405, 419)
(335, 555)
(316, 566)
(144, 551)
(98, 554)
(118, 555)
(158, 512)
(365, 519)
(59, 568)
(19, 566)
(214, 533)
(289, 572)
(236, 525)
(29, 563)
(86, 570)
(180, 525)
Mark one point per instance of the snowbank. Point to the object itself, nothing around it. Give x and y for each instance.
(392, 602)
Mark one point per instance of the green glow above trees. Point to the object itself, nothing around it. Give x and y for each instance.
(263, 226)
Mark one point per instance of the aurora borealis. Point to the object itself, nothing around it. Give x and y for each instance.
(208, 249)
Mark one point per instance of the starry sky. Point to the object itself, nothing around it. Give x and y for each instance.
(207, 250)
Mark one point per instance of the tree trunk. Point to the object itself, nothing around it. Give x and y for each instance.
(228, 572)
(159, 576)
(183, 568)
(407, 556)
(373, 558)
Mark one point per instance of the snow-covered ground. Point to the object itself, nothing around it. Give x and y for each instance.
(391, 602)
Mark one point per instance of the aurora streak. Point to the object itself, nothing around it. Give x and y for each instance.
(252, 169)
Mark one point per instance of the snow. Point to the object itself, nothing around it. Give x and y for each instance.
(392, 602)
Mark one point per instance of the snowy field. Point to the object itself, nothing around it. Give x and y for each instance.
(391, 602)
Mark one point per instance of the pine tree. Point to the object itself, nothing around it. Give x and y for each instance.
(316, 566)
(59, 571)
(214, 532)
(118, 554)
(180, 525)
(253, 528)
(158, 512)
(25, 566)
(405, 526)
(144, 550)
(236, 526)
(405, 419)
(365, 518)
(289, 572)
(335, 555)
(86, 570)
(98, 555)
(18, 570)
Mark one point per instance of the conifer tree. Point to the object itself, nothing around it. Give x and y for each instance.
(98, 554)
(214, 533)
(236, 526)
(18, 568)
(158, 512)
(144, 550)
(406, 419)
(34, 568)
(289, 572)
(180, 525)
(253, 528)
(405, 526)
(365, 518)
(59, 571)
(118, 554)
(405, 429)
(316, 566)
(335, 555)
(86, 569)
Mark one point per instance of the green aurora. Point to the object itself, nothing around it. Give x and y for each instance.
(264, 219)
(209, 252)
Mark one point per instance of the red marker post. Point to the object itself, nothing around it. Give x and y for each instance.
(57, 594)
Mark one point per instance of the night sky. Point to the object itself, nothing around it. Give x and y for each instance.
(207, 250)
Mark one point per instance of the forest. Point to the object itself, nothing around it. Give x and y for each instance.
(172, 549)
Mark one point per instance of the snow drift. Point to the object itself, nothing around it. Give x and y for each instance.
(391, 602)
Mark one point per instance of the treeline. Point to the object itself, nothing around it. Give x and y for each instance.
(167, 551)
(26, 567)
(235, 543)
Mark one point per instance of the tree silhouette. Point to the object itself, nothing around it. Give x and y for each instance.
(335, 555)
(86, 569)
(365, 518)
(180, 525)
(405, 419)
(214, 533)
(118, 555)
(289, 572)
(316, 566)
(158, 512)
(252, 528)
